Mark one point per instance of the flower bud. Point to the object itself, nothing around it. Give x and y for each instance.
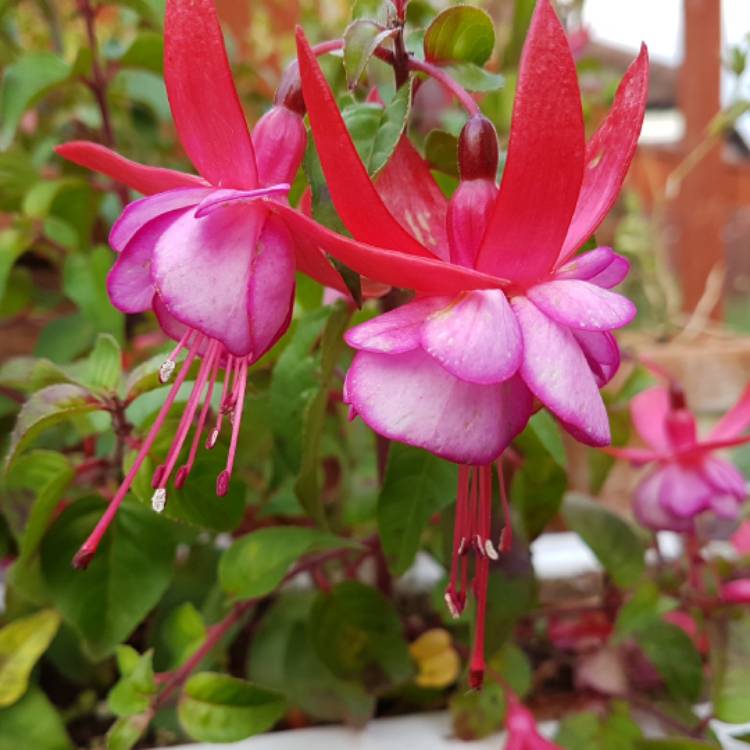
(478, 150)
(289, 92)
(279, 138)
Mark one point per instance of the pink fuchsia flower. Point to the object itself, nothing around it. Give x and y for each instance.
(687, 479)
(203, 252)
(521, 729)
(736, 592)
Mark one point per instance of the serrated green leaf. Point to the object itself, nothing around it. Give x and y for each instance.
(22, 643)
(25, 82)
(417, 485)
(613, 541)
(44, 409)
(256, 563)
(104, 365)
(128, 575)
(218, 708)
(462, 33)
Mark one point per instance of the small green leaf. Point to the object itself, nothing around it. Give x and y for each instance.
(673, 743)
(730, 656)
(675, 657)
(33, 722)
(22, 642)
(611, 539)
(589, 731)
(462, 33)
(104, 365)
(417, 485)
(361, 39)
(181, 634)
(44, 409)
(478, 713)
(257, 562)
(126, 731)
(512, 664)
(548, 433)
(441, 152)
(474, 78)
(146, 51)
(218, 708)
(133, 693)
(645, 606)
(13, 243)
(128, 575)
(25, 82)
(358, 635)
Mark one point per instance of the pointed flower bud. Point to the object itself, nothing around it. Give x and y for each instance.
(477, 149)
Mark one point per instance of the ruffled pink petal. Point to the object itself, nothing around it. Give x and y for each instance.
(411, 194)
(735, 421)
(582, 305)
(608, 155)
(613, 274)
(146, 180)
(648, 508)
(684, 492)
(544, 168)
(173, 327)
(556, 371)
(219, 199)
(724, 476)
(204, 101)
(586, 265)
(602, 353)
(409, 397)
(648, 410)
(271, 290)
(201, 270)
(396, 331)
(476, 337)
(279, 138)
(140, 212)
(129, 283)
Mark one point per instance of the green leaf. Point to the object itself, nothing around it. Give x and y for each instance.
(133, 693)
(33, 722)
(25, 82)
(611, 539)
(417, 485)
(104, 365)
(181, 634)
(358, 635)
(307, 486)
(675, 657)
(17, 175)
(441, 152)
(257, 562)
(46, 408)
(589, 731)
(474, 78)
(218, 708)
(22, 642)
(361, 39)
(146, 51)
(673, 743)
(524, 9)
(645, 606)
(548, 433)
(478, 713)
(131, 570)
(462, 33)
(513, 665)
(126, 731)
(730, 656)
(13, 243)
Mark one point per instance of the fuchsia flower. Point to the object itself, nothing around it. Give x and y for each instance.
(687, 478)
(736, 592)
(202, 252)
(504, 313)
(520, 725)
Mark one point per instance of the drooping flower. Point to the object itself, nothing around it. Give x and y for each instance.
(203, 252)
(521, 729)
(504, 313)
(687, 479)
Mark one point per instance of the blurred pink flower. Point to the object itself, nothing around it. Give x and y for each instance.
(520, 726)
(736, 592)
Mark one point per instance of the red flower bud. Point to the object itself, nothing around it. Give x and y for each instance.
(280, 139)
(478, 150)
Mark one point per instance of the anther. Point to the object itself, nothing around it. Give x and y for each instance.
(165, 370)
(462, 547)
(222, 483)
(211, 439)
(452, 606)
(490, 550)
(181, 476)
(159, 500)
(479, 545)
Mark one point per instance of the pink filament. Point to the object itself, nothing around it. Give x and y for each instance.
(222, 482)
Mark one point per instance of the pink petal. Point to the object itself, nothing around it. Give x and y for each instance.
(476, 337)
(171, 326)
(204, 101)
(725, 477)
(636, 456)
(146, 180)
(648, 410)
(582, 305)
(409, 397)
(271, 291)
(469, 211)
(396, 331)
(543, 172)
(735, 421)
(736, 592)
(586, 265)
(602, 353)
(218, 199)
(684, 492)
(556, 371)
(352, 191)
(411, 194)
(424, 275)
(140, 212)
(648, 508)
(279, 138)
(608, 155)
(129, 283)
(613, 274)
(201, 269)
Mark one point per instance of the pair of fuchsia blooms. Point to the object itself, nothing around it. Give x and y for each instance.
(505, 316)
